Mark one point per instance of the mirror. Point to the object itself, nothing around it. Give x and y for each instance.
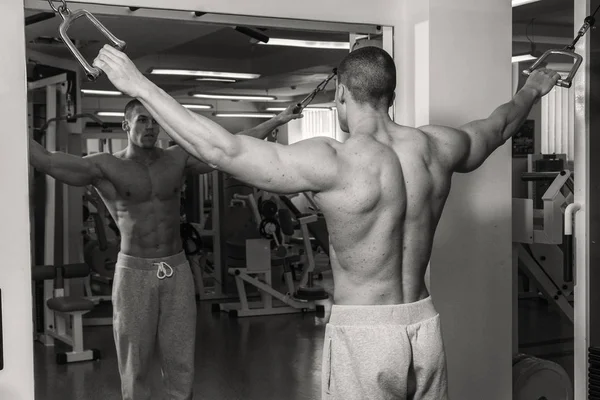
(221, 67)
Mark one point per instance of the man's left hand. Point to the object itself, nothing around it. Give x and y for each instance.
(120, 70)
(288, 114)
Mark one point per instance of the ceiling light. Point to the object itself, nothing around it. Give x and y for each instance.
(234, 97)
(216, 80)
(517, 3)
(309, 107)
(110, 114)
(522, 58)
(244, 115)
(198, 106)
(101, 92)
(207, 74)
(307, 43)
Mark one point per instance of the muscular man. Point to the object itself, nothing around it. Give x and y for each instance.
(382, 193)
(154, 303)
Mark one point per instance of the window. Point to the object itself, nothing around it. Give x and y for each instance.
(321, 122)
(558, 125)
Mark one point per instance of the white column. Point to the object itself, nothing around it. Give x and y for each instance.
(16, 379)
(581, 87)
(454, 67)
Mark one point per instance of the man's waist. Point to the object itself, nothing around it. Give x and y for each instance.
(388, 314)
(149, 263)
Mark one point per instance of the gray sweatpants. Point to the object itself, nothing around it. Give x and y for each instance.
(154, 308)
(384, 352)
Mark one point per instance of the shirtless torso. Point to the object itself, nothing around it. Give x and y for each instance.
(143, 197)
(144, 200)
(140, 185)
(382, 215)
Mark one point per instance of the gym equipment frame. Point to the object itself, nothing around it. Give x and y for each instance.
(259, 264)
(539, 256)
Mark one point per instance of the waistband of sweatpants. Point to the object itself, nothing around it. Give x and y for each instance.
(392, 314)
(126, 261)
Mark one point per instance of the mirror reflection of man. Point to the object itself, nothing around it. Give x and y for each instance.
(154, 303)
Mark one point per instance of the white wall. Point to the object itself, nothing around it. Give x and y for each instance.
(471, 276)
(16, 380)
(467, 75)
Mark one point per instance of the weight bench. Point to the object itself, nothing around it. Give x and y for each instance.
(64, 314)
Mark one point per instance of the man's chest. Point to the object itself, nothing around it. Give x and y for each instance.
(132, 181)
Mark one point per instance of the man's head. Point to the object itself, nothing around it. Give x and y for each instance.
(367, 78)
(142, 130)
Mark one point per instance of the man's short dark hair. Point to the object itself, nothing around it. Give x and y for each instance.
(369, 73)
(130, 107)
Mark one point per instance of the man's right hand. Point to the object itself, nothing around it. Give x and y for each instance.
(542, 80)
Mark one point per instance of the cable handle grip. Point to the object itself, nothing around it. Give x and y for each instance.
(566, 83)
(68, 17)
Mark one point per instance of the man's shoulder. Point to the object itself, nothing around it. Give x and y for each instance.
(176, 151)
(101, 158)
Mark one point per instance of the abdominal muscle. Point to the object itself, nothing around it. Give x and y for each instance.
(149, 229)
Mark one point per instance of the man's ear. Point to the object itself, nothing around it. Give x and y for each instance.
(125, 126)
(341, 93)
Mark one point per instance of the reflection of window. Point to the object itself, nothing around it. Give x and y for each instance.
(314, 123)
(558, 126)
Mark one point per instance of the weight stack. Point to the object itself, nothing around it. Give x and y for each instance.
(594, 373)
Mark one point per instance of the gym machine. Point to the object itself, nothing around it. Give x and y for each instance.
(538, 229)
(100, 253)
(261, 254)
(204, 198)
(57, 314)
(543, 255)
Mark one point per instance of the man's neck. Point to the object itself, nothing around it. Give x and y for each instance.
(364, 120)
(140, 154)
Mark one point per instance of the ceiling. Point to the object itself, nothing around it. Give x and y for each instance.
(548, 23)
(289, 73)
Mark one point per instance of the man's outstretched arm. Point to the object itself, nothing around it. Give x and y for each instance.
(66, 168)
(310, 165)
(466, 148)
(261, 131)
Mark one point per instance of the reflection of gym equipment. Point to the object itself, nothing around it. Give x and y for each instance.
(56, 226)
(310, 97)
(68, 18)
(203, 199)
(262, 254)
(42, 130)
(316, 228)
(545, 260)
(62, 316)
(101, 255)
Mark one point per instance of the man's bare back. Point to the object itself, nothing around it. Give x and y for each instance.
(382, 215)
(144, 200)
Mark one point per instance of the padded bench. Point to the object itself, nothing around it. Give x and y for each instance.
(69, 310)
